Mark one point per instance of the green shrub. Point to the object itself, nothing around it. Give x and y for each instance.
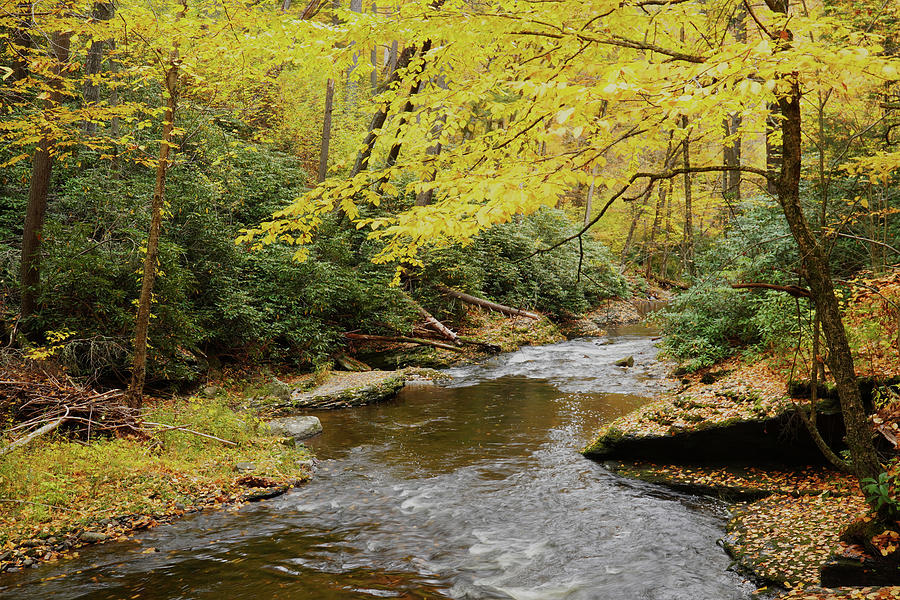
(499, 265)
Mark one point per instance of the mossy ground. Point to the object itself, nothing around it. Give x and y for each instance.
(697, 405)
(53, 490)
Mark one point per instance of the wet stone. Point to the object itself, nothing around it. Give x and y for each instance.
(297, 428)
(92, 537)
(628, 361)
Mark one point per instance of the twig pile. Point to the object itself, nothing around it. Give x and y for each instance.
(35, 407)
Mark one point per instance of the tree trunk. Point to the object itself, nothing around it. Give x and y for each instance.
(373, 77)
(20, 40)
(588, 208)
(380, 116)
(41, 171)
(773, 151)
(474, 300)
(103, 11)
(142, 324)
(687, 244)
(326, 130)
(351, 89)
(731, 180)
(818, 274)
(667, 205)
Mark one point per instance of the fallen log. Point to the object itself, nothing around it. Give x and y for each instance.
(403, 339)
(793, 290)
(433, 323)
(667, 282)
(469, 299)
(351, 364)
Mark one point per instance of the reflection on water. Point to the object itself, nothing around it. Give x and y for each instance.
(471, 490)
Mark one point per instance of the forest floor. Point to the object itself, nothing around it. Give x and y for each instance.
(58, 494)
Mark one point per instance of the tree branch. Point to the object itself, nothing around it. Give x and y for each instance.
(793, 290)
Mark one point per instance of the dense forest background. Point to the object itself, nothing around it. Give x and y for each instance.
(261, 120)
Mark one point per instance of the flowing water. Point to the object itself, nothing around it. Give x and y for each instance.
(473, 489)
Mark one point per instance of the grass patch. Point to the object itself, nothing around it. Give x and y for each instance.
(59, 488)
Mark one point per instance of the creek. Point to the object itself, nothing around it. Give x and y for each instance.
(469, 489)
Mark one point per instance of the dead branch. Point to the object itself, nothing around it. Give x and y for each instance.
(403, 339)
(469, 299)
(161, 427)
(34, 435)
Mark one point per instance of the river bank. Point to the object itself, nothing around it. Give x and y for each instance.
(731, 432)
(77, 493)
(59, 494)
(471, 488)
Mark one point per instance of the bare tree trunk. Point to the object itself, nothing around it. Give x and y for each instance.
(474, 300)
(139, 369)
(20, 40)
(326, 130)
(351, 89)
(731, 180)
(667, 204)
(41, 171)
(380, 116)
(113, 94)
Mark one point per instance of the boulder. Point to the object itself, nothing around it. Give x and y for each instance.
(92, 537)
(628, 361)
(298, 428)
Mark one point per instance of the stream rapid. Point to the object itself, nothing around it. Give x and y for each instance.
(471, 489)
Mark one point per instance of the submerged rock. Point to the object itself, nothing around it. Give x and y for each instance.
(297, 428)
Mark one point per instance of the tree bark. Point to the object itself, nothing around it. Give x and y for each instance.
(142, 324)
(41, 171)
(731, 180)
(588, 208)
(773, 151)
(326, 131)
(20, 40)
(380, 116)
(373, 77)
(687, 244)
(817, 271)
(103, 11)
(507, 310)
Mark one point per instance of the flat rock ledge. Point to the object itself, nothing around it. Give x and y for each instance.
(777, 439)
(345, 390)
